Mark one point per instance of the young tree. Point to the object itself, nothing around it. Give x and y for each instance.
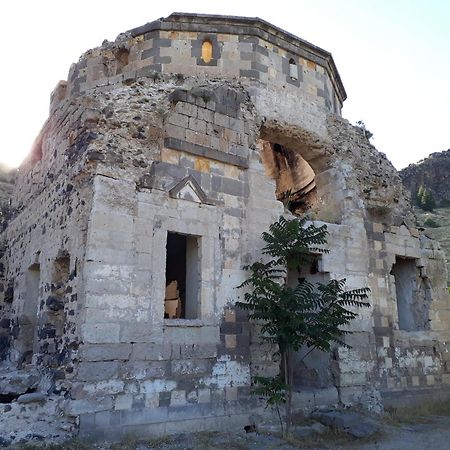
(425, 199)
(310, 315)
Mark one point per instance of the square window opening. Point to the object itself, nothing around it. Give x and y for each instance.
(182, 298)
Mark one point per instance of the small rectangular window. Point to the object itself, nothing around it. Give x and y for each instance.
(182, 277)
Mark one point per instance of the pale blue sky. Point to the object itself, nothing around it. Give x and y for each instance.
(393, 57)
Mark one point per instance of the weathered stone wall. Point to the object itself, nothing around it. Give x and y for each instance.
(49, 212)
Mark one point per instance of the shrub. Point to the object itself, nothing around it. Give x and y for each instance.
(431, 223)
(308, 314)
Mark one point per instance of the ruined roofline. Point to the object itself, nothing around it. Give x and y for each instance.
(249, 26)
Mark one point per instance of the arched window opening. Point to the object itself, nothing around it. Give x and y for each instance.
(293, 70)
(207, 51)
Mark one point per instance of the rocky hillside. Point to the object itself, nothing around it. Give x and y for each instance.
(6, 185)
(433, 173)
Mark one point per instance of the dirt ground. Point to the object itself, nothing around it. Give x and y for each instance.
(430, 433)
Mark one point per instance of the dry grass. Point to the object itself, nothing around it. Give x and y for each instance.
(158, 442)
(74, 444)
(331, 439)
(422, 413)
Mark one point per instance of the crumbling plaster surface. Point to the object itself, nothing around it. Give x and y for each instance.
(113, 150)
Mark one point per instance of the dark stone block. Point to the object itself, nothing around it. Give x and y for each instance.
(216, 183)
(249, 74)
(178, 144)
(170, 170)
(382, 331)
(162, 59)
(138, 402)
(235, 212)
(260, 49)
(249, 39)
(243, 341)
(178, 95)
(151, 35)
(200, 62)
(231, 328)
(232, 187)
(154, 51)
(158, 42)
(259, 67)
(321, 93)
(292, 82)
(164, 399)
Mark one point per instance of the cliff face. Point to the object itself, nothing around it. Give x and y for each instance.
(432, 172)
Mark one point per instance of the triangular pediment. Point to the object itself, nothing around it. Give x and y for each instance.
(188, 189)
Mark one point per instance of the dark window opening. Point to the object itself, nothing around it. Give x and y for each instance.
(413, 294)
(182, 277)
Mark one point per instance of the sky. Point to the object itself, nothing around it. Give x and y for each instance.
(393, 57)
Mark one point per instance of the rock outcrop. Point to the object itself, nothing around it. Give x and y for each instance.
(432, 172)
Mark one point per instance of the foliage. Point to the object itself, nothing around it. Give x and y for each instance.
(360, 124)
(429, 222)
(307, 314)
(445, 202)
(425, 199)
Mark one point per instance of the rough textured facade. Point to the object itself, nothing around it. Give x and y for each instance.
(176, 143)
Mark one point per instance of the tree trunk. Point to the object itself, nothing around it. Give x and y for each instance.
(289, 375)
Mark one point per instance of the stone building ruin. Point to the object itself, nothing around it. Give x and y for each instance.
(165, 156)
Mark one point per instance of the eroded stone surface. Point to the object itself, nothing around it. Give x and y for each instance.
(352, 423)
